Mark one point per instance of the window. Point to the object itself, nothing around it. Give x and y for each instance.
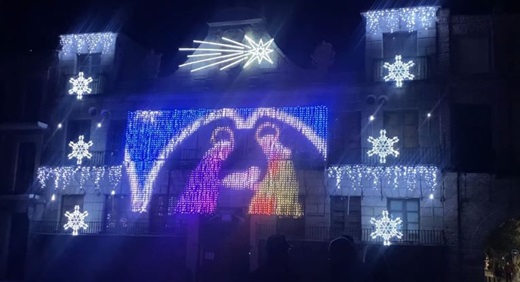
(75, 128)
(345, 215)
(162, 211)
(117, 209)
(407, 210)
(68, 202)
(472, 55)
(405, 125)
(346, 138)
(25, 167)
(292, 227)
(90, 64)
(115, 144)
(399, 43)
(472, 137)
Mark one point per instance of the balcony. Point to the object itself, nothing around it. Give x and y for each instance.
(109, 228)
(437, 156)
(420, 70)
(323, 233)
(99, 158)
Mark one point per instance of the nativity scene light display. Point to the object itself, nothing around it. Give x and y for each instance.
(252, 150)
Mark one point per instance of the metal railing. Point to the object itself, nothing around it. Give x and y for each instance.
(109, 228)
(323, 233)
(407, 156)
(420, 70)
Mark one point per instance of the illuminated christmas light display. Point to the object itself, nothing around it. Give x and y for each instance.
(229, 54)
(80, 149)
(76, 220)
(405, 19)
(383, 146)
(150, 144)
(398, 71)
(88, 43)
(63, 177)
(386, 228)
(360, 176)
(80, 86)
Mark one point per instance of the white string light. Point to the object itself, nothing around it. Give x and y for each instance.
(357, 176)
(386, 228)
(405, 19)
(88, 176)
(76, 220)
(398, 71)
(383, 146)
(88, 43)
(80, 149)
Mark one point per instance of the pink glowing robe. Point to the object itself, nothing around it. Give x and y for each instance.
(201, 192)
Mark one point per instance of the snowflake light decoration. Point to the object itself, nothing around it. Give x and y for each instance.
(398, 71)
(386, 228)
(383, 146)
(80, 85)
(234, 53)
(80, 149)
(76, 220)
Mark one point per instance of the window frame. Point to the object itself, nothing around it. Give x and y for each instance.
(404, 212)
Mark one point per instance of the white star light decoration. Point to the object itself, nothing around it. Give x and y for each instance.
(76, 220)
(383, 146)
(386, 228)
(80, 85)
(80, 149)
(398, 71)
(229, 54)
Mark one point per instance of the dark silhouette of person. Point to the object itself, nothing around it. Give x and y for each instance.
(375, 264)
(344, 261)
(276, 267)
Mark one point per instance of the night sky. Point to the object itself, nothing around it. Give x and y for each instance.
(33, 26)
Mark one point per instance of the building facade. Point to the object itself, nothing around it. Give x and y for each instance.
(187, 175)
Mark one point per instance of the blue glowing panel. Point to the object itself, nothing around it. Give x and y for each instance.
(277, 135)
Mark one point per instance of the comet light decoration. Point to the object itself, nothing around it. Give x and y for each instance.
(76, 220)
(80, 149)
(386, 228)
(228, 54)
(80, 86)
(276, 135)
(383, 146)
(398, 71)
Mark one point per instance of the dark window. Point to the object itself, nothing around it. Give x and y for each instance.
(290, 226)
(472, 138)
(162, 210)
(115, 146)
(405, 125)
(68, 202)
(345, 216)
(25, 167)
(117, 209)
(407, 210)
(346, 138)
(90, 64)
(75, 128)
(472, 55)
(399, 43)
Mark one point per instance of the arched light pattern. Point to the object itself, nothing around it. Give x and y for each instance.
(88, 43)
(363, 176)
(148, 145)
(398, 71)
(64, 177)
(386, 228)
(80, 86)
(404, 19)
(214, 53)
(75, 220)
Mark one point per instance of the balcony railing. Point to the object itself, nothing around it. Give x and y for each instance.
(420, 70)
(407, 156)
(323, 233)
(99, 158)
(109, 228)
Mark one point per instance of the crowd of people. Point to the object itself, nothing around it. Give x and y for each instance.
(345, 263)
